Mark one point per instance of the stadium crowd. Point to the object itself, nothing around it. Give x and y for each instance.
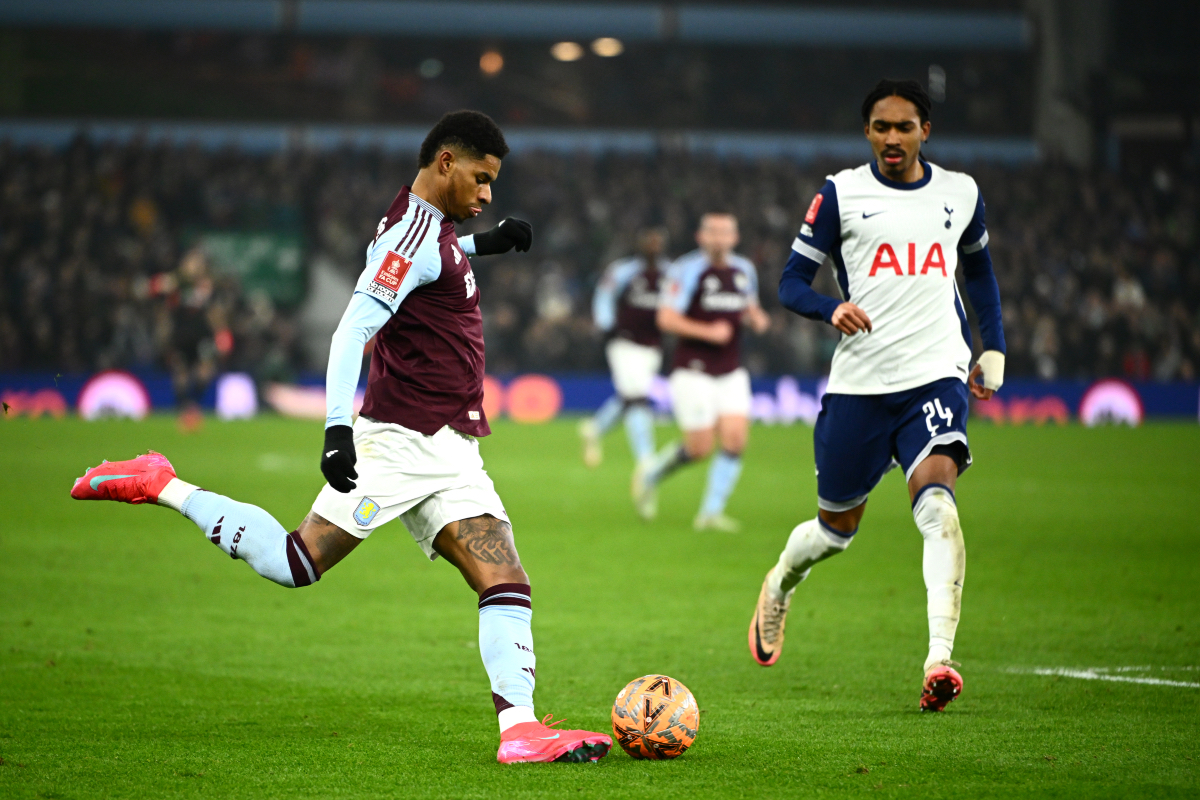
(1100, 273)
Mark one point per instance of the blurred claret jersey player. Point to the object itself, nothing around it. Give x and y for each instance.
(413, 452)
(895, 231)
(709, 294)
(625, 307)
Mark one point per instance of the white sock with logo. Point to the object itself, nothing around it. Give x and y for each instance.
(244, 532)
(506, 646)
(944, 566)
(808, 543)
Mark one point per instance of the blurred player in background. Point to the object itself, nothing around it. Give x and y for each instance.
(413, 450)
(625, 306)
(709, 294)
(896, 230)
(196, 333)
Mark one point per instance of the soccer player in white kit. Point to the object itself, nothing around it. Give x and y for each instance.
(708, 296)
(896, 230)
(624, 307)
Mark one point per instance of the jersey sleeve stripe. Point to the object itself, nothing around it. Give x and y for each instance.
(420, 237)
(975, 248)
(808, 251)
(416, 221)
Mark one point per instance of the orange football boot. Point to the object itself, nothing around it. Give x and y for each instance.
(537, 741)
(136, 481)
(767, 626)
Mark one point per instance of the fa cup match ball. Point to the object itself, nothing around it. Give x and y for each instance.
(655, 717)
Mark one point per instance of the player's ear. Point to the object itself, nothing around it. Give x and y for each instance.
(445, 161)
(926, 126)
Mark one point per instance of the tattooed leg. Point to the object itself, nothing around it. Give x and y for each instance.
(483, 550)
(326, 543)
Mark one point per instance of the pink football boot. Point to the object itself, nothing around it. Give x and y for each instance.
(136, 481)
(537, 741)
(942, 684)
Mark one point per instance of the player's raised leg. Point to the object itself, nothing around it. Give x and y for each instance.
(852, 451)
(483, 550)
(943, 566)
(242, 531)
(810, 542)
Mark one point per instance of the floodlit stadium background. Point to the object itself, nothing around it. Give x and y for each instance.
(271, 135)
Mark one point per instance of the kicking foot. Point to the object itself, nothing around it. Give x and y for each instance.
(716, 522)
(139, 480)
(645, 494)
(766, 628)
(536, 741)
(942, 684)
(593, 452)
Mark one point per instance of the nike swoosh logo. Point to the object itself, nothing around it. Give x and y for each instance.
(876, 214)
(762, 656)
(545, 738)
(99, 479)
(330, 453)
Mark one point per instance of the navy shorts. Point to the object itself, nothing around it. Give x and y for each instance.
(859, 437)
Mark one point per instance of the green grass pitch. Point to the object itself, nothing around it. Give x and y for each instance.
(137, 661)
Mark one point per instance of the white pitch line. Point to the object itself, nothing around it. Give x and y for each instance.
(1096, 675)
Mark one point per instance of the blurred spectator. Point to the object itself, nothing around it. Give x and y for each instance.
(1099, 273)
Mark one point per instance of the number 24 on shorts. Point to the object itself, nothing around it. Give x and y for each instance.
(935, 407)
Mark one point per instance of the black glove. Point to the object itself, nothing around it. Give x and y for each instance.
(338, 458)
(510, 233)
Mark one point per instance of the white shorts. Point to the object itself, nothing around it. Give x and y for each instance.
(699, 398)
(633, 367)
(426, 481)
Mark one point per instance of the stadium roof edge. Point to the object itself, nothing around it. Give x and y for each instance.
(270, 138)
(714, 24)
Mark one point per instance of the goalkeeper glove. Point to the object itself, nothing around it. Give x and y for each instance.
(510, 233)
(338, 458)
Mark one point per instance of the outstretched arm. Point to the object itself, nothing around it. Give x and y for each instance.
(510, 233)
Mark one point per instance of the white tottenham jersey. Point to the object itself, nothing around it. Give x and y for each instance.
(894, 249)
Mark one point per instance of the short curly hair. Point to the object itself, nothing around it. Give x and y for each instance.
(473, 132)
(910, 90)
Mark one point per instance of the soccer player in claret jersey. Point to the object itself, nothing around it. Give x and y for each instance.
(708, 295)
(896, 230)
(624, 307)
(413, 451)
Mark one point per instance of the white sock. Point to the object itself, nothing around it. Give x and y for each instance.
(515, 716)
(248, 533)
(175, 493)
(944, 566)
(506, 646)
(808, 543)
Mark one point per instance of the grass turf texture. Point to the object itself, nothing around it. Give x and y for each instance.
(136, 660)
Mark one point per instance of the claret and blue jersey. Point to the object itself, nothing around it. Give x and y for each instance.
(895, 248)
(699, 290)
(626, 300)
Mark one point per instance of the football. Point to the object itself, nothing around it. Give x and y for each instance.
(655, 717)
